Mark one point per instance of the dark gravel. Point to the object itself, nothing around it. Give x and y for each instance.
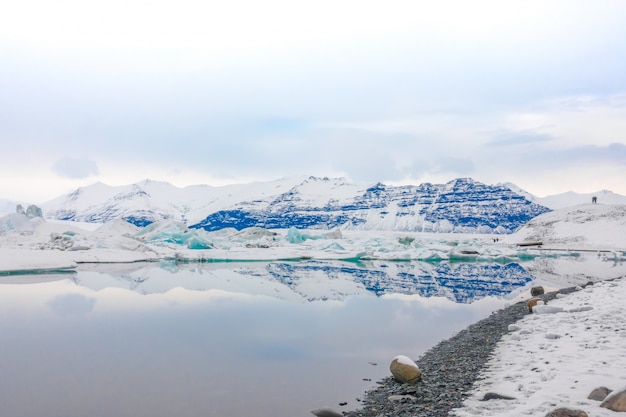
(449, 370)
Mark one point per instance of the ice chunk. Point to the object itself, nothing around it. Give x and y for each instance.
(198, 242)
(294, 236)
(33, 211)
(167, 232)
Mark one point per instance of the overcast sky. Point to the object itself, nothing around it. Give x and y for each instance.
(208, 92)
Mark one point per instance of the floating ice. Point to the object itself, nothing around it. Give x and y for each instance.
(165, 233)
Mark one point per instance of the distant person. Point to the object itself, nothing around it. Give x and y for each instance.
(594, 199)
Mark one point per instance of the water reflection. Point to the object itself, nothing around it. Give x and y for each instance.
(317, 280)
(262, 339)
(463, 282)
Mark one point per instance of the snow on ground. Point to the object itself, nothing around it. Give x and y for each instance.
(557, 359)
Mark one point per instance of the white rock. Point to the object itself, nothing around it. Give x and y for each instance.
(546, 309)
(402, 397)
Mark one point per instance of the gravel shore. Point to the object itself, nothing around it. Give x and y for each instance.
(449, 370)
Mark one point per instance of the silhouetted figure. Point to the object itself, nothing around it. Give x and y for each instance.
(594, 199)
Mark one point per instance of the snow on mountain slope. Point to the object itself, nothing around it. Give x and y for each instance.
(462, 205)
(570, 198)
(148, 201)
(584, 226)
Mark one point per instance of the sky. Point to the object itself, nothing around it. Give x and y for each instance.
(401, 92)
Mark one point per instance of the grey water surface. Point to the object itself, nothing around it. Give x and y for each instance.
(238, 339)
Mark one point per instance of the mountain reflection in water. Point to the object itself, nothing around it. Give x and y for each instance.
(318, 280)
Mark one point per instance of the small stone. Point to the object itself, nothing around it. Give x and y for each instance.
(495, 396)
(400, 398)
(616, 402)
(514, 327)
(535, 291)
(599, 394)
(566, 412)
(405, 370)
(326, 412)
(553, 336)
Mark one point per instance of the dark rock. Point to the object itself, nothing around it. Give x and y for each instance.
(535, 291)
(566, 412)
(616, 402)
(599, 394)
(495, 396)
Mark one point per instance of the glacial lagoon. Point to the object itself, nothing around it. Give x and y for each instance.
(229, 339)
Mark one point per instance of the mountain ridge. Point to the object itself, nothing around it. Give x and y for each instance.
(461, 205)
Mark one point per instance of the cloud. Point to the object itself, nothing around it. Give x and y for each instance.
(614, 153)
(525, 137)
(453, 165)
(75, 168)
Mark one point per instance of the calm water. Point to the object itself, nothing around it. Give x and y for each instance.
(240, 339)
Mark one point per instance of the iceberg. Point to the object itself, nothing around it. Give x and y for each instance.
(167, 232)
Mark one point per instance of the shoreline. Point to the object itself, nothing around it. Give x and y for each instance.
(449, 369)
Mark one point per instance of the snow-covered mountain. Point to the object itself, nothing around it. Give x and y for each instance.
(461, 205)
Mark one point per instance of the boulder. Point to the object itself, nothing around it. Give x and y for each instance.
(404, 369)
(616, 402)
(599, 394)
(566, 412)
(535, 291)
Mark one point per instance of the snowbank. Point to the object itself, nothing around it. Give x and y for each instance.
(556, 360)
